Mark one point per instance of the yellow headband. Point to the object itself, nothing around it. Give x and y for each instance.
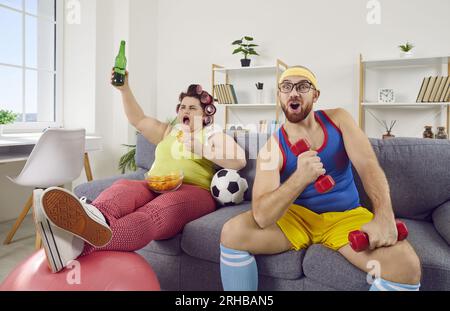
(298, 71)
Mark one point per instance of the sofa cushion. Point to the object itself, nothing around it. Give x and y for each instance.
(418, 171)
(441, 220)
(332, 269)
(145, 153)
(434, 254)
(251, 143)
(201, 239)
(171, 247)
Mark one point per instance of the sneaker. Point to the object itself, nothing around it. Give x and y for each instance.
(69, 213)
(61, 247)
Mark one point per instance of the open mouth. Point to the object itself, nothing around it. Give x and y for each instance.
(294, 106)
(186, 120)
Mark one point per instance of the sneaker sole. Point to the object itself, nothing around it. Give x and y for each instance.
(67, 213)
(43, 227)
(50, 247)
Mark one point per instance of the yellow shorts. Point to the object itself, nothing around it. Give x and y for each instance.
(303, 227)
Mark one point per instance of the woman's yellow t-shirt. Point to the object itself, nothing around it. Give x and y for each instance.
(171, 155)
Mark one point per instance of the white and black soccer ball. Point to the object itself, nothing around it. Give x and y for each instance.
(228, 187)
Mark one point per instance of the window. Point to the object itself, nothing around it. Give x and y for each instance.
(30, 62)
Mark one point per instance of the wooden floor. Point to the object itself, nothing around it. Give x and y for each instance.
(21, 247)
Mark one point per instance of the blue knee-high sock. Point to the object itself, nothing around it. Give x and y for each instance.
(383, 285)
(238, 270)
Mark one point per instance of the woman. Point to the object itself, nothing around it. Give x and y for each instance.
(128, 215)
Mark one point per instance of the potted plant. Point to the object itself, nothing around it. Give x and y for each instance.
(246, 47)
(6, 117)
(406, 49)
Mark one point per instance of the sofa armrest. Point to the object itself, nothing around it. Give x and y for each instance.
(441, 220)
(91, 190)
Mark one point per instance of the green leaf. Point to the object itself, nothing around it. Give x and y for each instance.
(7, 117)
(252, 45)
(237, 42)
(239, 50)
(253, 53)
(248, 38)
(127, 161)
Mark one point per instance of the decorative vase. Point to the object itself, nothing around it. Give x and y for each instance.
(245, 62)
(428, 133)
(441, 134)
(388, 135)
(259, 96)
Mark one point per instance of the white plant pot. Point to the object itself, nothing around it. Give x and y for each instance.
(406, 54)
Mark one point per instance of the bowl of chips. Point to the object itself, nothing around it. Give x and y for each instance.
(165, 183)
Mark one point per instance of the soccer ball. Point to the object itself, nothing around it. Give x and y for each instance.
(228, 187)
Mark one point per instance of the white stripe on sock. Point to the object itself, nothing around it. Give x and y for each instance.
(378, 285)
(237, 264)
(233, 256)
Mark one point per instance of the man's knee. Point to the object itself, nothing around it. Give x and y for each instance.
(234, 233)
(408, 263)
(413, 264)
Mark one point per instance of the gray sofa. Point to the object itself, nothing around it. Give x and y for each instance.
(419, 176)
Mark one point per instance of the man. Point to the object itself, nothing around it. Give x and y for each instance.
(288, 212)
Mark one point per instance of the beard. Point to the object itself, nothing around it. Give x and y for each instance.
(297, 116)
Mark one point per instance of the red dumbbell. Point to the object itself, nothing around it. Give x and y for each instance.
(323, 184)
(359, 240)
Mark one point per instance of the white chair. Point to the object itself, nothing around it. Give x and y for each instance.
(56, 159)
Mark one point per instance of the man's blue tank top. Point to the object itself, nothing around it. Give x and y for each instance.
(344, 195)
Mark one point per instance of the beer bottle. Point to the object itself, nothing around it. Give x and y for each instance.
(120, 66)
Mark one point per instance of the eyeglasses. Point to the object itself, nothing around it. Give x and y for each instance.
(300, 87)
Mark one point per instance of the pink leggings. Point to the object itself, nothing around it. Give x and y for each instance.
(138, 216)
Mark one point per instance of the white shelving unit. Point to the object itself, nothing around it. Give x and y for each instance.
(273, 70)
(388, 65)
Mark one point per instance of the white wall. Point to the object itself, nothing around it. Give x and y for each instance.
(326, 36)
(113, 21)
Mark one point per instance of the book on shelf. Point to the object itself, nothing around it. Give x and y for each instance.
(423, 88)
(447, 95)
(220, 94)
(440, 89)
(233, 94)
(217, 94)
(226, 94)
(430, 87)
(437, 83)
(229, 95)
(445, 92)
(433, 90)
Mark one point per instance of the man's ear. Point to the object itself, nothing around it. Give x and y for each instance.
(316, 96)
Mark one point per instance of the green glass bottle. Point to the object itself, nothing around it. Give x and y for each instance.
(120, 67)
